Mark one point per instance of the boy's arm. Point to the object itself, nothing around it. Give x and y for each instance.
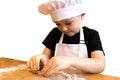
(47, 52)
(95, 64)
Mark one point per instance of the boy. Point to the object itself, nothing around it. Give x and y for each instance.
(68, 45)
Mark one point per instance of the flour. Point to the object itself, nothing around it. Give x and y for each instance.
(14, 68)
(62, 76)
(65, 76)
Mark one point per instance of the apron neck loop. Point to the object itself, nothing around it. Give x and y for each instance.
(81, 37)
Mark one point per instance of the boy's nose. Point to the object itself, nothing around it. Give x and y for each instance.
(64, 28)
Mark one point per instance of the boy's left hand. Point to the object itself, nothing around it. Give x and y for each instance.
(55, 64)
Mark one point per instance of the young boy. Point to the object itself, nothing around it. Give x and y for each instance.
(68, 45)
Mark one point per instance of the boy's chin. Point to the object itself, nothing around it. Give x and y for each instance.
(70, 34)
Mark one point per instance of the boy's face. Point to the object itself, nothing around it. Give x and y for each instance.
(70, 26)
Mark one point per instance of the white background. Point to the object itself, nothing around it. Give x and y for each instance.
(22, 29)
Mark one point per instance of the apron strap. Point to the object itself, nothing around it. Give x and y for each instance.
(82, 36)
(61, 38)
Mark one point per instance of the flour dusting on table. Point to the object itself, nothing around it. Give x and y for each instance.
(14, 68)
(57, 76)
(65, 76)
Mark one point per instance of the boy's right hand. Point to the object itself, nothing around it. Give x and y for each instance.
(36, 61)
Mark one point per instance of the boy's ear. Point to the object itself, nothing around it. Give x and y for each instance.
(82, 16)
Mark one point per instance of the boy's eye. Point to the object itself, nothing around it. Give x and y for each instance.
(68, 23)
(57, 24)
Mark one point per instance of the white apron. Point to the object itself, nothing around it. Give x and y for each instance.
(72, 49)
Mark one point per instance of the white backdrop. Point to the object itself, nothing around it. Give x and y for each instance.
(22, 29)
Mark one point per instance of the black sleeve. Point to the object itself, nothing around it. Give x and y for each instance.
(93, 41)
(52, 38)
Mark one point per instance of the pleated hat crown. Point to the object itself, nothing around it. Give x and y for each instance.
(62, 9)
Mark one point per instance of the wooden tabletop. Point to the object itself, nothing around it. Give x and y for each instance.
(25, 74)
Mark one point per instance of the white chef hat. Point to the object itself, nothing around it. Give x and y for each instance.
(62, 9)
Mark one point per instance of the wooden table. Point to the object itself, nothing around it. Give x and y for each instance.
(25, 74)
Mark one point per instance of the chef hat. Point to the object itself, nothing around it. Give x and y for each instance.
(62, 9)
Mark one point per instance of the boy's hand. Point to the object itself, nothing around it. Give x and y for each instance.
(55, 64)
(36, 62)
